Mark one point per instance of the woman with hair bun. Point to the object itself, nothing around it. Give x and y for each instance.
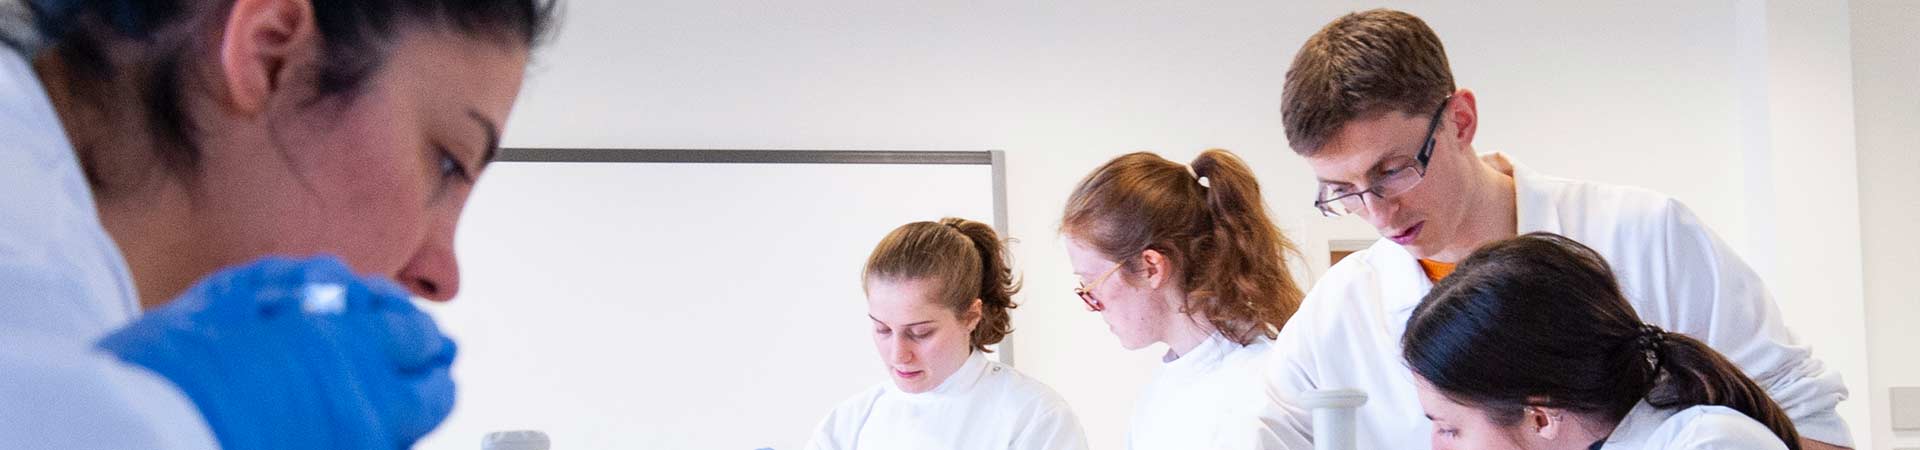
(938, 294)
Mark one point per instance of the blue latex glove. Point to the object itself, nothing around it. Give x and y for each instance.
(299, 354)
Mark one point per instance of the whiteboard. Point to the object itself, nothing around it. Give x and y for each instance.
(679, 305)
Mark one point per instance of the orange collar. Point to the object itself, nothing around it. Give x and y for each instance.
(1436, 270)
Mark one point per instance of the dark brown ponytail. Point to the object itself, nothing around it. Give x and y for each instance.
(1540, 316)
(1694, 374)
(1211, 224)
(965, 259)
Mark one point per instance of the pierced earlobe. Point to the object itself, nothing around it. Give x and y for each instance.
(1545, 422)
(1542, 419)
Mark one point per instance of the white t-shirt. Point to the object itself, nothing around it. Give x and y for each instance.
(984, 405)
(1695, 428)
(63, 285)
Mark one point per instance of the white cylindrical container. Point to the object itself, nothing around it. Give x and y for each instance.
(1335, 417)
(515, 440)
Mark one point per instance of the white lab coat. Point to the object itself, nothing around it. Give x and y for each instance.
(1674, 271)
(63, 285)
(984, 405)
(1694, 428)
(1190, 402)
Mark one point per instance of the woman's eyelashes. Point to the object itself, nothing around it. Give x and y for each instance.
(450, 169)
(910, 334)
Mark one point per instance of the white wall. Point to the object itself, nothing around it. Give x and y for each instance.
(1669, 95)
(604, 308)
(1802, 196)
(1886, 73)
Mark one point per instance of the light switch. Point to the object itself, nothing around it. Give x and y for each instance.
(1906, 408)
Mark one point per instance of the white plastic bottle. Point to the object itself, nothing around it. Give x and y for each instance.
(1335, 417)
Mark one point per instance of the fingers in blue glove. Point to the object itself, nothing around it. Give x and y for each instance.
(299, 353)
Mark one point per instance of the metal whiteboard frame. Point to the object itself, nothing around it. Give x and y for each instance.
(995, 158)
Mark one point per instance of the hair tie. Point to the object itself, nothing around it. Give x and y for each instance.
(1196, 176)
(1650, 340)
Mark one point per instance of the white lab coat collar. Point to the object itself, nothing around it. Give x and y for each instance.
(63, 284)
(62, 235)
(983, 405)
(1202, 357)
(1698, 427)
(1403, 283)
(959, 383)
(1533, 201)
(1639, 426)
(1533, 197)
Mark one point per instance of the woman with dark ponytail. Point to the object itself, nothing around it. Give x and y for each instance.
(1529, 344)
(939, 293)
(1183, 255)
(175, 172)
